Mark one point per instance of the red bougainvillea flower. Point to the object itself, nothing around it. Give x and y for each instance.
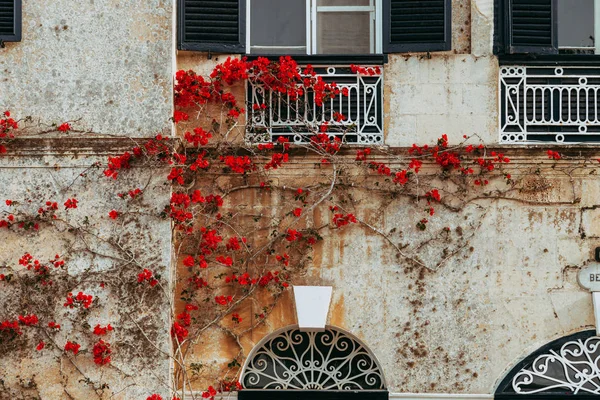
(154, 397)
(179, 116)
(554, 155)
(210, 393)
(147, 275)
(54, 325)
(179, 332)
(297, 212)
(40, 345)
(223, 300)
(101, 352)
(361, 155)
(189, 261)
(227, 261)
(65, 127)
(292, 235)
(81, 299)
(100, 331)
(71, 203)
(340, 220)
(113, 214)
(73, 347)
(28, 320)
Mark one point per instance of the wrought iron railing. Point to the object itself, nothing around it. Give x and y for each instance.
(298, 119)
(549, 104)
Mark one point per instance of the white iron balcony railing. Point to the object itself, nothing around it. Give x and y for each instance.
(549, 104)
(298, 119)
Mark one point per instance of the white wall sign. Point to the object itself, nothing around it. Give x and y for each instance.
(589, 277)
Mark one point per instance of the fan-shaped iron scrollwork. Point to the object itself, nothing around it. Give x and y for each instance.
(567, 366)
(329, 360)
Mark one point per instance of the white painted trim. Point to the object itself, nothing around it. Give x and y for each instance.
(441, 396)
(403, 396)
(309, 23)
(379, 27)
(248, 8)
(313, 19)
(345, 9)
(596, 302)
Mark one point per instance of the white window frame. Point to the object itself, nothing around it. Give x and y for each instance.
(375, 8)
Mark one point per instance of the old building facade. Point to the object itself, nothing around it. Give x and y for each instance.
(428, 315)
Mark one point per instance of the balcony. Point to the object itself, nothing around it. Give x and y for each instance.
(298, 119)
(550, 104)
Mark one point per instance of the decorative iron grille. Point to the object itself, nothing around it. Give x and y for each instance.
(297, 119)
(574, 367)
(564, 368)
(549, 104)
(295, 360)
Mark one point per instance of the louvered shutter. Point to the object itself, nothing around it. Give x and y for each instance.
(416, 25)
(531, 26)
(10, 20)
(212, 25)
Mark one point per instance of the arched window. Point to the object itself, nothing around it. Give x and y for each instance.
(332, 364)
(565, 368)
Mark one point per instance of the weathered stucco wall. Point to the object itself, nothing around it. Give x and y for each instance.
(102, 258)
(499, 285)
(105, 63)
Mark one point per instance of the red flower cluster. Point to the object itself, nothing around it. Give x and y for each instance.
(179, 332)
(239, 164)
(71, 203)
(223, 300)
(54, 325)
(179, 116)
(73, 347)
(114, 214)
(361, 155)
(198, 138)
(65, 127)
(101, 352)
(28, 320)
(235, 317)
(340, 220)
(293, 235)
(554, 155)
(327, 144)
(271, 276)
(234, 243)
(117, 163)
(81, 299)
(10, 328)
(227, 261)
(101, 331)
(147, 275)
(370, 71)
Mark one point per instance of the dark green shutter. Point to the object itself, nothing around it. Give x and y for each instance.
(10, 20)
(212, 25)
(416, 25)
(531, 26)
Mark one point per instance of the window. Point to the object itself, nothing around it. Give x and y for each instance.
(312, 27)
(549, 71)
(299, 365)
(10, 21)
(548, 27)
(576, 31)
